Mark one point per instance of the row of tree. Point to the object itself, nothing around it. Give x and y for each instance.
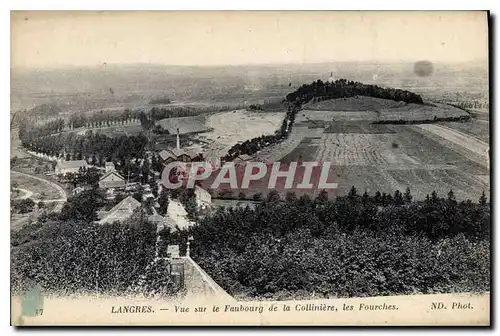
(474, 104)
(463, 118)
(252, 146)
(72, 146)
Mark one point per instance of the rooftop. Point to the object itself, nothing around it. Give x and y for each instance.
(121, 211)
(110, 173)
(72, 164)
(175, 153)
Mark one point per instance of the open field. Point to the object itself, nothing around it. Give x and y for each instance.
(113, 131)
(230, 128)
(186, 125)
(40, 189)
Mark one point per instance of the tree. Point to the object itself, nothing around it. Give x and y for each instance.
(72, 178)
(291, 197)
(407, 196)
(84, 206)
(451, 197)
(241, 195)
(483, 199)
(257, 197)
(322, 197)
(163, 201)
(154, 188)
(91, 176)
(13, 161)
(119, 197)
(365, 198)
(398, 198)
(434, 197)
(353, 193)
(138, 195)
(23, 206)
(273, 196)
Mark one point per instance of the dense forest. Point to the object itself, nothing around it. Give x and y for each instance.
(68, 254)
(355, 245)
(342, 88)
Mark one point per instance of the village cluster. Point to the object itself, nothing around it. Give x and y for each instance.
(116, 186)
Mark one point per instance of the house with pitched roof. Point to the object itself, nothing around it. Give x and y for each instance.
(111, 179)
(65, 167)
(120, 212)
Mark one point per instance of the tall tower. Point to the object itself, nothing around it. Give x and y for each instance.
(178, 140)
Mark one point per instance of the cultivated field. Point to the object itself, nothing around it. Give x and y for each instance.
(386, 158)
(474, 148)
(360, 103)
(477, 128)
(374, 109)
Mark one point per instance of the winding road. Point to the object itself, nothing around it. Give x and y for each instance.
(60, 190)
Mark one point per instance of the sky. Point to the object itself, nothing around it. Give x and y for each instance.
(48, 39)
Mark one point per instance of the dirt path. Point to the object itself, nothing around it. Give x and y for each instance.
(27, 194)
(61, 191)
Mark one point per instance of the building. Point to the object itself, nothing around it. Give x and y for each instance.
(177, 154)
(203, 197)
(120, 212)
(78, 190)
(167, 156)
(109, 166)
(171, 155)
(111, 179)
(65, 167)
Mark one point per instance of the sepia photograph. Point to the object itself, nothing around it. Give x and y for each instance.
(250, 168)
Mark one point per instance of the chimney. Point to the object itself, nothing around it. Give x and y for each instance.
(178, 140)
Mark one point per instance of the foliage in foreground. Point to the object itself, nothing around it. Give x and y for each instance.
(353, 246)
(74, 257)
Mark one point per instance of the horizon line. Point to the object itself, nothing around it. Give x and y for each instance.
(112, 64)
